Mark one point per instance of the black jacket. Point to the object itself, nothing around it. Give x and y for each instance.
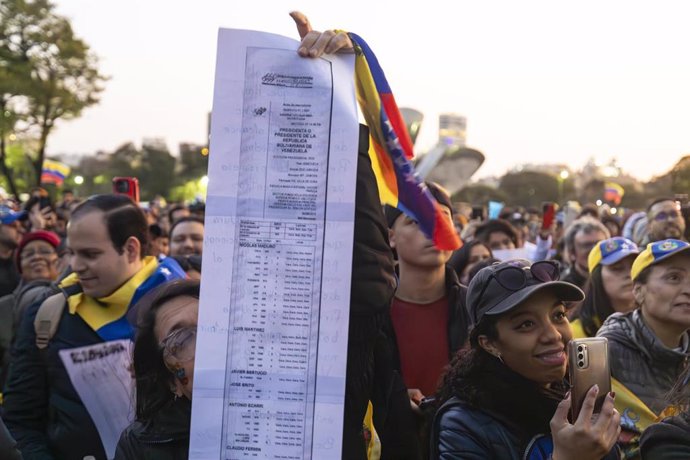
(164, 437)
(41, 407)
(8, 447)
(668, 440)
(493, 413)
(370, 375)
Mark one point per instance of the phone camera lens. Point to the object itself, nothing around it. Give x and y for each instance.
(580, 348)
(581, 355)
(581, 363)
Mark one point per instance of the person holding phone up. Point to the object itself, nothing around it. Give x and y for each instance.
(506, 397)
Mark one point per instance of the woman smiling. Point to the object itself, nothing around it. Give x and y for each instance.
(650, 346)
(506, 396)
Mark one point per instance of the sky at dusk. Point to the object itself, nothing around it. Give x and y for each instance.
(539, 81)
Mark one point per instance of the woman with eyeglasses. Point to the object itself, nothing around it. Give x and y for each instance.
(649, 347)
(163, 362)
(609, 288)
(36, 259)
(506, 396)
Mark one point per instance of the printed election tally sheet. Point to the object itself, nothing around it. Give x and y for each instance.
(271, 351)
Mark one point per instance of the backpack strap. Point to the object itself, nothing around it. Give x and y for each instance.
(48, 319)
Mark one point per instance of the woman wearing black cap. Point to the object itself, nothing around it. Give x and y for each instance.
(505, 397)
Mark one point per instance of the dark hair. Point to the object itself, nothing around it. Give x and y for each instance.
(468, 362)
(122, 217)
(196, 219)
(460, 258)
(156, 231)
(477, 268)
(611, 220)
(496, 225)
(153, 379)
(659, 200)
(597, 305)
(590, 209)
(173, 210)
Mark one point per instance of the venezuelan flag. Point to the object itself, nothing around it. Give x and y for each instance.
(613, 193)
(54, 172)
(391, 151)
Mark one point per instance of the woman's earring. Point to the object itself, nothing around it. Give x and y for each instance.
(500, 358)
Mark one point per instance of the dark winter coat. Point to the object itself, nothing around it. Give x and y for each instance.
(668, 440)
(640, 361)
(164, 437)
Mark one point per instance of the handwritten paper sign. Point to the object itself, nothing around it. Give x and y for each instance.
(101, 375)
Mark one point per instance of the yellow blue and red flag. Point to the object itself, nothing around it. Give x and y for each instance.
(391, 151)
(613, 193)
(54, 172)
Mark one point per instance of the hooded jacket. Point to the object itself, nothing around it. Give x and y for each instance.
(640, 361)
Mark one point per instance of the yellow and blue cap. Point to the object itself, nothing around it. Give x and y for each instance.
(656, 252)
(610, 251)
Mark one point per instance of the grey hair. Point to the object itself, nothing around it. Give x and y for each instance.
(585, 224)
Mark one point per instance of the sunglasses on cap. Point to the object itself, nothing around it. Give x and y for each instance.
(513, 277)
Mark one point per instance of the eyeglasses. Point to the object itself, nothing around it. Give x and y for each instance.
(179, 345)
(663, 215)
(514, 278)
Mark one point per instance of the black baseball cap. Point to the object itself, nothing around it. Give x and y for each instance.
(488, 296)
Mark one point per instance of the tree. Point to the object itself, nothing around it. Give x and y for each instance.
(50, 73)
(531, 188)
(479, 194)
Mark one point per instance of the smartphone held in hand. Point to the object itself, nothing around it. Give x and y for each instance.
(588, 365)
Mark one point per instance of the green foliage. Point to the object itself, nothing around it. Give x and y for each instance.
(531, 188)
(48, 74)
(479, 194)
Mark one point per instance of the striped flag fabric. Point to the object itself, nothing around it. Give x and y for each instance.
(54, 172)
(391, 151)
(613, 193)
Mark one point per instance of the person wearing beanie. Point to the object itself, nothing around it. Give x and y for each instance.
(36, 262)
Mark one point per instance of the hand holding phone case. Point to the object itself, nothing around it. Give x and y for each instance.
(588, 365)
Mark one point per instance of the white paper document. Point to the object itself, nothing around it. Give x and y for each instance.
(101, 375)
(269, 379)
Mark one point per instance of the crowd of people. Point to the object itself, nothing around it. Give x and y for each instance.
(451, 355)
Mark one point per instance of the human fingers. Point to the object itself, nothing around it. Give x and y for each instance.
(415, 395)
(560, 417)
(318, 48)
(340, 42)
(308, 42)
(585, 415)
(614, 429)
(302, 23)
(606, 414)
